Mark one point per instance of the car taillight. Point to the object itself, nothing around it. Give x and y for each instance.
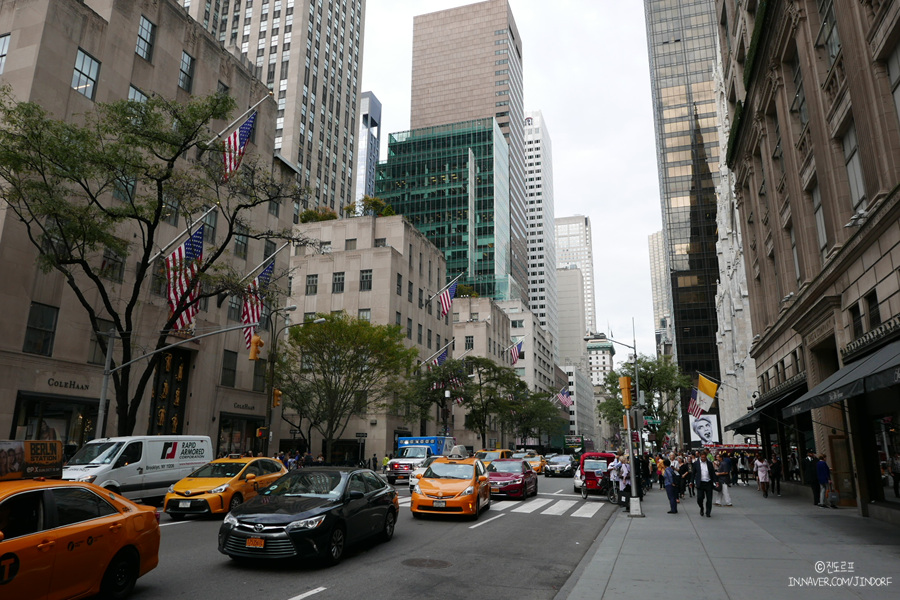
(156, 513)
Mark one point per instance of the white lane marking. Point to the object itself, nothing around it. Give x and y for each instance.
(560, 507)
(559, 493)
(479, 524)
(309, 593)
(173, 523)
(588, 509)
(501, 505)
(405, 501)
(532, 506)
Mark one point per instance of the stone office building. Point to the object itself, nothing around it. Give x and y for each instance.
(812, 89)
(68, 55)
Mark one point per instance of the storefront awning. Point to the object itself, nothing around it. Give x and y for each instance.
(873, 372)
(749, 423)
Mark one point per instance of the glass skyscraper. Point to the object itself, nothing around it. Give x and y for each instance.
(681, 36)
(452, 182)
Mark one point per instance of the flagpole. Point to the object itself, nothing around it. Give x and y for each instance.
(438, 353)
(451, 282)
(178, 237)
(256, 268)
(233, 123)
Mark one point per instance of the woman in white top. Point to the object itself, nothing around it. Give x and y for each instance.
(761, 466)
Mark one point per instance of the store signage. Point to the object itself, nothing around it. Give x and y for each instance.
(244, 406)
(69, 385)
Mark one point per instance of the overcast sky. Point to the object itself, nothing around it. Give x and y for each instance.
(585, 68)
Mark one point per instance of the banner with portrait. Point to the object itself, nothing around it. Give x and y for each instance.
(704, 429)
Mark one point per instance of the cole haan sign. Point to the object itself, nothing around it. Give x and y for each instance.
(68, 385)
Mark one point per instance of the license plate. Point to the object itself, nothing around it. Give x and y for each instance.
(495, 490)
(256, 542)
(184, 504)
(440, 503)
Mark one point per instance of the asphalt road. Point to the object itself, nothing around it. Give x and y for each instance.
(516, 549)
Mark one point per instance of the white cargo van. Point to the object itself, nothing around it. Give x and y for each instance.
(139, 466)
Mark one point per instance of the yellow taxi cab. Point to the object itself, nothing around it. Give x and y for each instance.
(455, 485)
(537, 463)
(486, 456)
(219, 486)
(68, 539)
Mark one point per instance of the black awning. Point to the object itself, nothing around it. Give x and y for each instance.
(853, 380)
(749, 423)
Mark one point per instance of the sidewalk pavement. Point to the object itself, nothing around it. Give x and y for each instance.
(758, 549)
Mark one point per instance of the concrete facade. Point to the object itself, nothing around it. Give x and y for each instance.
(535, 367)
(61, 384)
(575, 246)
(572, 321)
(662, 295)
(583, 412)
(369, 145)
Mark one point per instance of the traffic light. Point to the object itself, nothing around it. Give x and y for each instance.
(625, 387)
(259, 431)
(276, 397)
(256, 343)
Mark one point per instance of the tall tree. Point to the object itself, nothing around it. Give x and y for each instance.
(534, 414)
(340, 368)
(660, 380)
(491, 398)
(98, 191)
(424, 397)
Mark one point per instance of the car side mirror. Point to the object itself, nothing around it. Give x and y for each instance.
(482, 478)
(418, 475)
(122, 462)
(356, 495)
(250, 476)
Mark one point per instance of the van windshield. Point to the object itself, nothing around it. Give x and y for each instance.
(100, 453)
(413, 452)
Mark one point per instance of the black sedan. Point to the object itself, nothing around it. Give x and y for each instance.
(311, 512)
(559, 465)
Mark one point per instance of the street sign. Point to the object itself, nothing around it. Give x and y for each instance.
(651, 421)
(362, 434)
(294, 431)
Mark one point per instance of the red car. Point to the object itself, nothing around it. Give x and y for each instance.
(512, 477)
(594, 474)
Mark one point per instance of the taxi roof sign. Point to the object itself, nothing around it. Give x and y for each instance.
(30, 459)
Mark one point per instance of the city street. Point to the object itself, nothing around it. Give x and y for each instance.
(516, 549)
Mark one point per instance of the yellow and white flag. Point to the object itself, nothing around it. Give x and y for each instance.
(706, 393)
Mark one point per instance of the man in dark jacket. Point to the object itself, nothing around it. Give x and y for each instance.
(811, 475)
(704, 478)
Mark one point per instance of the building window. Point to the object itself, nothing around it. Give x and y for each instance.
(828, 34)
(409, 291)
(397, 319)
(419, 334)
(350, 244)
(146, 35)
(186, 72)
(399, 284)
(123, 189)
(136, 95)
(408, 329)
(268, 249)
(799, 104)
(4, 50)
(158, 282)
(235, 305)
(854, 168)
(364, 314)
(473, 316)
(113, 266)
(872, 311)
(209, 229)
(428, 339)
(170, 211)
(259, 375)
(421, 298)
(312, 285)
(240, 241)
(795, 254)
(96, 356)
(821, 233)
(518, 324)
(229, 368)
(456, 317)
(856, 321)
(893, 70)
(274, 208)
(365, 280)
(380, 242)
(470, 342)
(41, 329)
(337, 283)
(84, 79)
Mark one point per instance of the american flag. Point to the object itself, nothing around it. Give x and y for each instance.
(516, 351)
(694, 406)
(446, 298)
(235, 144)
(252, 309)
(181, 268)
(440, 358)
(564, 397)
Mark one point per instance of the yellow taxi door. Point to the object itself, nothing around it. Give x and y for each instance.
(89, 531)
(26, 552)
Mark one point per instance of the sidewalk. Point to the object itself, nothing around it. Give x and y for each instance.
(759, 549)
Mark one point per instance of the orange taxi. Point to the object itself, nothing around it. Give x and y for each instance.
(219, 486)
(534, 460)
(486, 456)
(454, 485)
(68, 539)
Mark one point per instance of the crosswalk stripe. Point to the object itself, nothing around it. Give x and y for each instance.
(560, 507)
(588, 510)
(404, 501)
(500, 505)
(532, 506)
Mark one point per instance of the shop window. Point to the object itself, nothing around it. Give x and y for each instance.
(41, 329)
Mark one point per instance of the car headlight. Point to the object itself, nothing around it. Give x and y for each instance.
(87, 478)
(310, 523)
(582, 477)
(469, 491)
(171, 489)
(516, 481)
(230, 520)
(416, 489)
(219, 490)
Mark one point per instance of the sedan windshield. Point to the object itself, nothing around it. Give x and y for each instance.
(487, 455)
(442, 470)
(319, 484)
(595, 465)
(412, 452)
(505, 467)
(519, 455)
(219, 470)
(560, 460)
(100, 453)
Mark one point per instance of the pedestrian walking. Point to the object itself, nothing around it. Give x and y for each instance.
(704, 477)
(895, 473)
(660, 469)
(761, 468)
(669, 482)
(811, 474)
(689, 477)
(775, 475)
(624, 482)
(384, 463)
(823, 474)
(724, 476)
(743, 468)
(794, 473)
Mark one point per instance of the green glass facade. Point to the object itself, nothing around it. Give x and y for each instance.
(452, 183)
